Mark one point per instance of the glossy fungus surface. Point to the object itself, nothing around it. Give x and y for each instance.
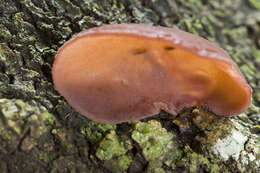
(117, 73)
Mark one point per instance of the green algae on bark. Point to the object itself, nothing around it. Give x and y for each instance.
(113, 152)
(24, 127)
(221, 138)
(255, 3)
(159, 147)
(110, 147)
(227, 139)
(154, 140)
(31, 32)
(119, 164)
(23, 123)
(94, 131)
(192, 162)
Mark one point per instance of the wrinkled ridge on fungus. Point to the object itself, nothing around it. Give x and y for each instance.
(117, 73)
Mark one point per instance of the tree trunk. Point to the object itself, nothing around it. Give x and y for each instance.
(40, 132)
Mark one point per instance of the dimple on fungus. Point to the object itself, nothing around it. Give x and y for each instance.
(117, 73)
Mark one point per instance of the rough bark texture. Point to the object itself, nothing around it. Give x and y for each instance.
(39, 132)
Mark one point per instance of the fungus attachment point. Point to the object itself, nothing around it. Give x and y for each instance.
(117, 73)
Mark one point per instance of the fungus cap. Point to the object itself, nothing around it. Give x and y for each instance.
(117, 73)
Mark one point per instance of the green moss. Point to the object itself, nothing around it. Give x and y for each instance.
(248, 71)
(54, 131)
(23, 118)
(255, 3)
(192, 4)
(155, 166)
(152, 138)
(51, 119)
(255, 129)
(213, 127)
(45, 25)
(207, 25)
(159, 170)
(194, 162)
(5, 33)
(256, 55)
(47, 156)
(104, 127)
(118, 164)
(95, 130)
(95, 5)
(93, 136)
(71, 164)
(66, 141)
(124, 162)
(110, 147)
(191, 28)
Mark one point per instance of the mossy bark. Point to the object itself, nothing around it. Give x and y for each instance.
(39, 132)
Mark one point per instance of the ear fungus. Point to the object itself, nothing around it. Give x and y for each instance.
(117, 73)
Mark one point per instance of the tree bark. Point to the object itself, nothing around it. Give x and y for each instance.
(40, 132)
